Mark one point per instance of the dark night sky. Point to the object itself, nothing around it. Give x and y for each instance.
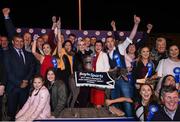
(96, 14)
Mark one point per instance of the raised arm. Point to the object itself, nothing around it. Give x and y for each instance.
(54, 22)
(145, 37)
(122, 47)
(149, 28)
(113, 25)
(116, 35)
(52, 40)
(134, 30)
(37, 55)
(8, 24)
(59, 45)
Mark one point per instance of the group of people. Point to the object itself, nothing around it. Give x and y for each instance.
(35, 74)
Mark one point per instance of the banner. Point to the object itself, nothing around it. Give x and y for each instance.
(99, 34)
(94, 79)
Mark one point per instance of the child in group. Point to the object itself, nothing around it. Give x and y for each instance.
(38, 104)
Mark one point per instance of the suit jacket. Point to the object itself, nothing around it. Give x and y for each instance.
(15, 70)
(162, 116)
(2, 80)
(11, 30)
(36, 107)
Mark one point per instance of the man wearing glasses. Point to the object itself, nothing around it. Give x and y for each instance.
(170, 109)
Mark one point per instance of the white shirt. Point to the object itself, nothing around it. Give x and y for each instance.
(17, 50)
(121, 47)
(170, 113)
(166, 67)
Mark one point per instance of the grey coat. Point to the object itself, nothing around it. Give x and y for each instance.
(58, 97)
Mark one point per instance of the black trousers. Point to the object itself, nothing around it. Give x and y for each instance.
(16, 99)
(1, 99)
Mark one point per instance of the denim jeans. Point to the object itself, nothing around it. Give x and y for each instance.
(123, 89)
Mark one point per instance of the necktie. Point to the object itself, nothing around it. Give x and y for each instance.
(21, 56)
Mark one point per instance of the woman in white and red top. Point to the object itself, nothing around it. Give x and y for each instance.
(100, 64)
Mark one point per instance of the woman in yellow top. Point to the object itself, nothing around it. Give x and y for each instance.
(64, 57)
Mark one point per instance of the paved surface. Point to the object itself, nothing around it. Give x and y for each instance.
(86, 113)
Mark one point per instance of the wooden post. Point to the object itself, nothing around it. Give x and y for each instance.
(79, 14)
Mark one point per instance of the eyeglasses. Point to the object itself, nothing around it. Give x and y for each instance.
(168, 98)
(87, 62)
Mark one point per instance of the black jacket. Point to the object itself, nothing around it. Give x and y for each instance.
(161, 115)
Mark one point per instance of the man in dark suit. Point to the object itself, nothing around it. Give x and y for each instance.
(170, 109)
(19, 69)
(2, 82)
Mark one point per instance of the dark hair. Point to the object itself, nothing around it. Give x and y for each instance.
(164, 80)
(99, 41)
(109, 37)
(152, 98)
(63, 45)
(139, 53)
(148, 84)
(32, 89)
(45, 44)
(136, 52)
(167, 89)
(72, 34)
(46, 79)
(27, 33)
(173, 44)
(17, 36)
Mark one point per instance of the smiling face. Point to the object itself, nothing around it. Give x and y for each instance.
(4, 42)
(131, 49)
(170, 81)
(45, 37)
(161, 45)
(37, 83)
(81, 45)
(173, 51)
(46, 49)
(98, 47)
(68, 46)
(27, 39)
(87, 42)
(170, 100)
(145, 53)
(18, 42)
(110, 43)
(146, 92)
(40, 42)
(50, 76)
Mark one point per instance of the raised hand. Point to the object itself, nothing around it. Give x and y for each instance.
(54, 22)
(59, 23)
(113, 23)
(54, 19)
(6, 11)
(136, 19)
(149, 26)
